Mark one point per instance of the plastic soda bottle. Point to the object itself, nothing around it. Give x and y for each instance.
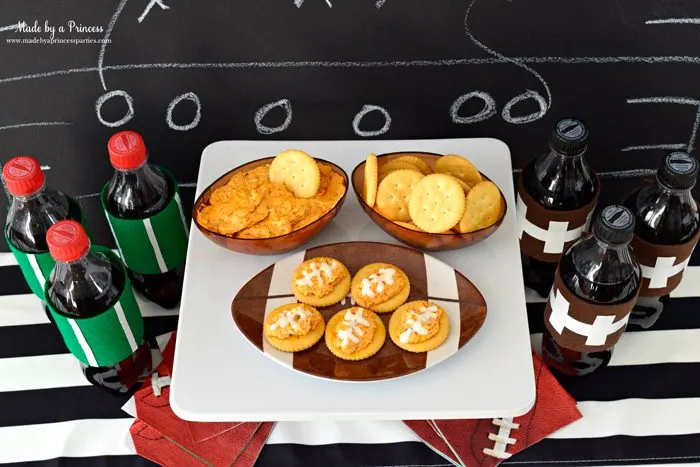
(34, 208)
(143, 207)
(93, 305)
(557, 193)
(595, 287)
(666, 233)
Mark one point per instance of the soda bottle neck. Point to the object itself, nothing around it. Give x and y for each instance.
(30, 196)
(669, 191)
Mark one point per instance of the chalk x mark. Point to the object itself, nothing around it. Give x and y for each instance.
(369, 64)
(360, 115)
(103, 47)
(188, 96)
(674, 21)
(299, 3)
(671, 100)
(107, 96)
(13, 27)
(517, 62)
(23, 125)
(262, 111)
(150, 5)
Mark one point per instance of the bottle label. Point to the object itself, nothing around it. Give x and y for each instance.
(662, 265)
(582, 326)
(545, 234)
(111, 336)
(37, 267)
(156, 244)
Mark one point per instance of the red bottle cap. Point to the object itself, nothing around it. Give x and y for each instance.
(126, 150)
(67, 240)
(23, 175)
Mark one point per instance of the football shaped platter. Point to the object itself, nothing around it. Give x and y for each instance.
(430, 280)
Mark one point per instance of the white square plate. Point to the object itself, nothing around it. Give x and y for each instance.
(220, 376)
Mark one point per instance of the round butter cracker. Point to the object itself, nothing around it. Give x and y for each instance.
(436, 203)
(458, 167)
(371, 180)
(294, 343)
(372, 348)
(484, 206)
(394, 193)
(298, 171)
(418, 347)
(420, 164)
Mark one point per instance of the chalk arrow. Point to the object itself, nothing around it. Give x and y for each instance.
(160, 3)
(299, 3)
(12, 27)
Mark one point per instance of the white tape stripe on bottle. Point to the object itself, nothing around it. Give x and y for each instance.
(125, 327)
(182, 213)
(662, 271)
(83, 343)
(154, 243)
(37, 269)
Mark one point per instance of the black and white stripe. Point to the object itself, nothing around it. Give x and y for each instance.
(643, 409)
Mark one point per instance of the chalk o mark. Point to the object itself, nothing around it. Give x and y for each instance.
(262, 111)
(188, 96)
(361, 114)
(525, 118)
(109, 95)
(488, 111)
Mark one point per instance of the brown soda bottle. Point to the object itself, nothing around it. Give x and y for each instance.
(95, 311)
(596, 285)
(137, 193)
(33, 209)
(666, 233)
(551, 189)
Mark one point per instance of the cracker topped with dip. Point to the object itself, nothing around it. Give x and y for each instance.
(271, 200)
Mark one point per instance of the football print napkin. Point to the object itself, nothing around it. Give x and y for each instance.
(160, 436)
(488, 442)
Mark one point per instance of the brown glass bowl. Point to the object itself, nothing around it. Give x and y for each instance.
(420, 240)
(272, 245)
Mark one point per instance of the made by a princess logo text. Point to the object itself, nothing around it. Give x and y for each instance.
(45, 32)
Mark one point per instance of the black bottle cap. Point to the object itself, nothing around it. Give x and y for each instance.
(679, 170)
(569, 137)
(614, 224)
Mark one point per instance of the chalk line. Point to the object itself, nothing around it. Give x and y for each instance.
(514, 61)
(664, 100)
(690, 60)
(22, 125)
(693, 135)
(12, 27)
(674, 21)
(299, 3)
(654, 146)
(45, 167)
(631, 173)
(380, 3)
(103, 47)
(150, 5)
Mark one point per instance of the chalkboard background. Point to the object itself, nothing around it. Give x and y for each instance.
(195, 72)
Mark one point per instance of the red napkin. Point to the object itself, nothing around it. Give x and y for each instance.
(488, 442)
(160, 436)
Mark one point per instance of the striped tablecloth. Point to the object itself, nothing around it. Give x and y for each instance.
(643, 409)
